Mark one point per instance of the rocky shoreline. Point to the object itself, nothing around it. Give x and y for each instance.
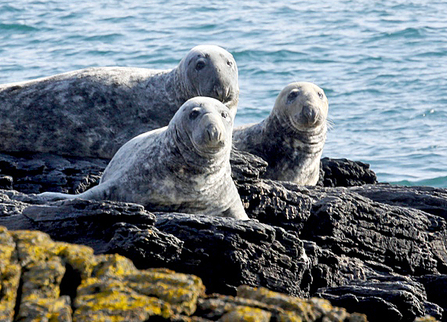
(368, 247)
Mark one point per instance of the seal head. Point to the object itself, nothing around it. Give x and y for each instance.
(302, 106)
(292, 137)
(210, 71)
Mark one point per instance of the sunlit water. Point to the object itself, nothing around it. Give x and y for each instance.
(382, 64)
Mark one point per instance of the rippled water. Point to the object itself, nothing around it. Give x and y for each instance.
(382, 64)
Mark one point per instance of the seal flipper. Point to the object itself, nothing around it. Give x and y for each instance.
(236, 210)
(90, 194)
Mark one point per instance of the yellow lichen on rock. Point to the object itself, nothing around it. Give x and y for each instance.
(246, 314)
(42, 279)
(307, 309)
(98, 299)
(7, 246)
(9, 275)
(35, 246)
(180, 290)
(113, 265)
(52, 275)
(9, 283)
(80, 258)
(36, 309)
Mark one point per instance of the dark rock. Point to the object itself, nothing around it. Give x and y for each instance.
(278, 203)
(86, 222)
(428, 199)
(146, 247)
(408, 240)
(372, 248)
(39, 172)
(386, 298)
(227, 253)
(344, 173)
(436, 288)
(246, 166)
(6, 182)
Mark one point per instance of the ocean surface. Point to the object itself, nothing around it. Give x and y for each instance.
(382, 64)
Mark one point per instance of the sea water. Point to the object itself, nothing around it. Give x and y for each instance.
(382, 64)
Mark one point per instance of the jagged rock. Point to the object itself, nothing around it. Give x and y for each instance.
(146, 247)
(248, 252)
(246, 166)
(388, 297)
(261, 304)
(436, 289)
(6, 182)
(408, 240)
(344, 173)
(308, 241)
(320, 247)
(281, 204)
(428, 199)
(39, 172)
(65, 282)
(86, 222)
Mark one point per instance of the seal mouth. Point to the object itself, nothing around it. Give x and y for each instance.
(307, 120)
(206, 149)
(223, 94)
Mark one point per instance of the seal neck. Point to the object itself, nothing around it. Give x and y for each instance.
(179, 85)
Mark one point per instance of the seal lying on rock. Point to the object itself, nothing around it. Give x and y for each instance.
(183, 167)
(292, 137)
(92, 112)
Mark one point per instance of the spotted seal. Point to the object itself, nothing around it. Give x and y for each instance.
(92, 112)
(292, 137)
(184, 167)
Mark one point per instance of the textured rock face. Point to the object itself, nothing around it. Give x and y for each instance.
(54, 281)
(372, 248)
(39, 172)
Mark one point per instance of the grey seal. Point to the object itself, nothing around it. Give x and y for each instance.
(292, 137)
(92, 112)
(184, 167)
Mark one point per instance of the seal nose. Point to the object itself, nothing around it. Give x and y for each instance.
(309, 114)
(214, 135)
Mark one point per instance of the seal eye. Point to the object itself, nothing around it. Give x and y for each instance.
(230, 63)
(320, 95)
(292, 96)
(224, 114)
(194, 114)
(200, 65)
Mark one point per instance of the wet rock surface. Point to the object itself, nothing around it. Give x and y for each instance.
(370, 248)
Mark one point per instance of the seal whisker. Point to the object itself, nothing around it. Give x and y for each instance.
(330, 124)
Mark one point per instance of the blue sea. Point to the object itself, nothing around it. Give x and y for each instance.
(382, 64)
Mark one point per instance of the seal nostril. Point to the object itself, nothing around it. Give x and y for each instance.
(212, 133)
